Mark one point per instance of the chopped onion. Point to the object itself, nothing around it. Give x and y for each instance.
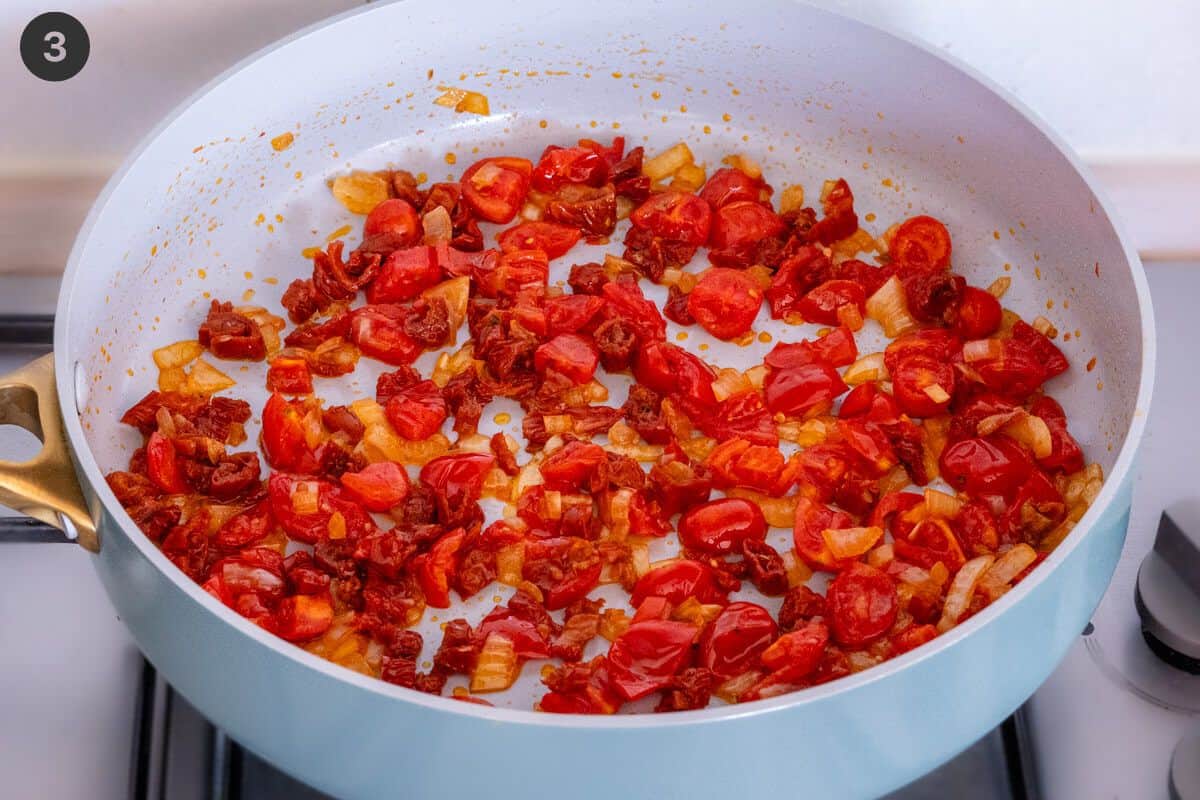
(791, 198)
(982, 349)
(1031, 431)
(879, 557)
(207, 379)
(743, 163)
(621, 434)
(779, 512)
(455, 292)
(937, 393)
(689, 178)
(528, 477)
(798, 573)
(639, 556)
(730, 382)
(172, 379)
(510, 560)
(613, 622)
(496, 667)
(617, 515)
(360, 192)
(179, 354)
(962, 588)
(336, 525)
(645, 453)
(940, 504)
(305, 498)
(851, 542)
(756, 375)
(586, 394)
(889, 307)
(1008, 566)
(732, 689)
(668, 162)
(868, 368)
(999, 286)
(850, 316)
(1044, 327)
(558, 423)
(895, 480)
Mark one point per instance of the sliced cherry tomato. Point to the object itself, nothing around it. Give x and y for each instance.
(626, 301)
(733, 641)
(677, 582)
(571, 313)
(568, 354)
(795, 390)
(796, 654)
(417, 411)
(862, 605)
(379, 333)
(937, 344)
(379, 487)
(811, 521)
(574, 587)
(869, 443)
(565, 165)
(551, 238)
(283, 439)
(246, 528)
(743, 416)
(720, 526)
(979, 466)
(911, 638)
(978, 315)
(289, 375)
(921, 242)
(836, 348)
(673, 371)
(302, 617)
(675, 215)
(646, 657)
(162, 465)
(737, 229)
(923, 386)
(514, 270)
(1044, 350)
(730, 186)
(1065, 453)
(405, 274)
(574, 465)
(822, 303)
(496, 187)
(435, 569)
(391, 225)
(304, 523)
(725, 302)
(458, 478)
(528, 641)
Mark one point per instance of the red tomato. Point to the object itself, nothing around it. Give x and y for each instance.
(891, 512)
(675, 215)
(283, 440)
(725, 302)
(731, 642)
(417, 411)
(730, 186)
(528, 641)
(573, 465)
(246, 528)
(302, 617)
(289, 375)
(911, 379)
(646, 657)
(935, 343)
(574, 587)
(737, 228)
(405, 274)
(162, 467)
(562, 165)
(504, 277)
(458, 478)
(496, 187)
(812, 519)
(1065, 453)
(379, 333)
(911, 638)
(677, 582)
(673, 371)
(626, 301)
(1044, 350)
(391, 225)
(795, 390)
(435, 568)
(743, 416)
(571, 312)
(1015, 373)
(720, 526)
(379, 487)
(978, 315)
(822, 303)
(862, 605)
(836, 348)
(985, 466)
(551, 238)
(922, 242)
(568, 354)
(311, 527)
(796, 654)
(869, 443)
(837, 201)
(868, 400)
(256, 570)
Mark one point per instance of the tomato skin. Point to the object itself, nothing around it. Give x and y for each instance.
(289, 375)
(564, 165)
(794, 655)
(836, 348)
(811, 520)
(937, 344)
(405, 273)
(162, 466)
(379, 487)
(573, 588)
(504, 277)
(795, 390)
(737, 228)
(725, 302)
(458, 477)
(720, 526)
(283, 440)
(733, 641)
(495, 188)
(379, 333)
(435, 569)
(677, 582)
(571, 313)
(862, 605)
(568, 354)
(979, 314)
(646, 657)
(822, 303)
(625, 300)
(551, 238)
(910, 378)
(675, 215)
(728, 185)
(391, 225)
(574, 465)
(981, 466)
(246, 528)
(528, 641)
(418, 411)
(922, 242)
(744, 416)
(673, 371)
(301, 617)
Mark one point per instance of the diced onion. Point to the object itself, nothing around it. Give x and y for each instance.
(732, 689)
(668, 162)
(305, 499)
(879, 557)
(889, 307)
(496, 668)
(586, 394)
(1031, 431)
(528, 477)
(791, 198)
(179, 354)
(689, 178)
(868, 368)
(639, 556)
(368, 412)
(551, 506)
(798, 573)
(336, 525)
(207, 379)
(999, 286)
(172, 379)
(779, 512)
(937, 393)
(807, 433)
(510, 560)
(1008, 566)
(940, 504)
(851, 542)
(558, 423)
(618, 514)
(645, 453)
(743, 163)
(982, 349)
(621, 434)
(850, 316)
(437, 226)
(613, 623)
(730, 382)
(360, 192)
(1044, 327)
(962, 588)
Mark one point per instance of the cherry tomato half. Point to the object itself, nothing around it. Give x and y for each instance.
(677, 582)
(568, 354)
(675, 215)
(404, 274)
(646, 657)
(795, 390)
(731, 642)
(811, 521)
(737, 228)
(162, 466)
(995, 465)
(797, 653)
(283, 440)
(459, 477)
(416, 411)
(379, 333)
(729, 185)
(391, 225)
(435, 569)
(379, 487)
(551, 238)
(565, 165)
(922, 242)
(673, 371)
(720, 526)
(862, 605)
(496, 187)
(978, 315)
(725, 302)
(922, 386)
(822, 303)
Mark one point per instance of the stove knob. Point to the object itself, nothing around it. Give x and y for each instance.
(1168, 589)
(1185, 768)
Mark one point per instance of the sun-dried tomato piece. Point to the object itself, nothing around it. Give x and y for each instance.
(228, 334)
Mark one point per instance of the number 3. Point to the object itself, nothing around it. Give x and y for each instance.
(56, 52)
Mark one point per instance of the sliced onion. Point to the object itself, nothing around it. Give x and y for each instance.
(1008, 566)
(779, 512)
(668, 162)
(879, 557)
(735, 687)
(889, 307)
(982, 349)
(179, 354)
(999, 286)
(798, 573)
(510, 560)
(730, 382)
(851, 542)
(868, 368)
(1031, 431)
(940, 504)
(962, 588)
(618, 514)
(937, 393)
(496, 669)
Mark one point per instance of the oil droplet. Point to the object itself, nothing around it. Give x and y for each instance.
(593, 124)
(764, 337)
(870, 216)
(657, 95)
(1049, 304)
(1037, 273)
(886, 182)
(1099, 385)
(202, 273)
(248, 274)
(618, 75)
(996, 235)
(283, 141)
(309, 252)
(707, 129)
(542, 123)
(503, 418)
(260, 219)
(271, 281)
(726, 118)
(154, 250)
(1007, 267)
(451, 158)
(1091, 365)
(683, 109)
(247, 295)
(339, 233)
(681, 336)
(279, 217)
(703, 346)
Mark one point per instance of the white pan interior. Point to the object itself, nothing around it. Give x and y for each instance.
(210, 209)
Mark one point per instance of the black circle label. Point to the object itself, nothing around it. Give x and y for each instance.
(55, 46)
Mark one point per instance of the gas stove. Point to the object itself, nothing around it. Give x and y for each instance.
(84, 715)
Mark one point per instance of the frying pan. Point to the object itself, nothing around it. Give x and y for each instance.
(207, 205)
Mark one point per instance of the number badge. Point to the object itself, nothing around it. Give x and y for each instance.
(55, 46)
